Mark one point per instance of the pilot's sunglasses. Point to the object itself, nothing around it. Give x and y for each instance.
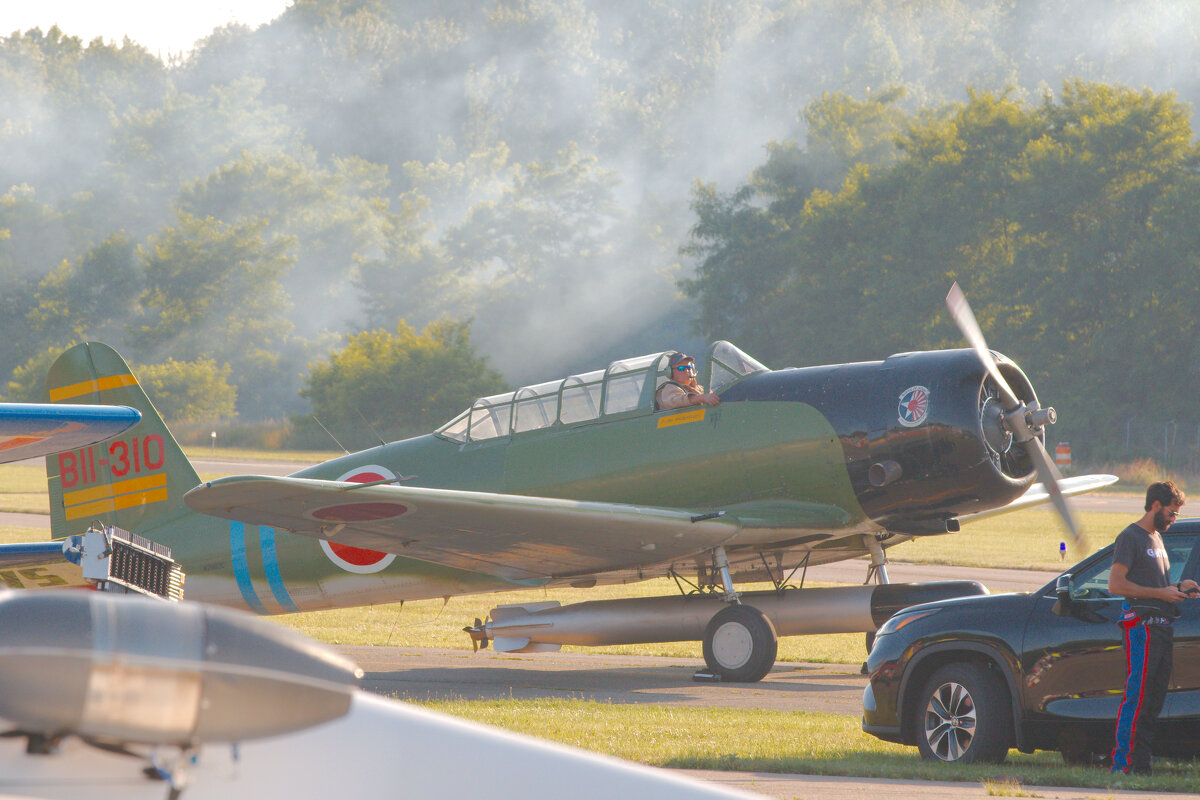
(686, 368)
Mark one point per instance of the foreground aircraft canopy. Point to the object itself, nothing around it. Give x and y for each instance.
(581, 481)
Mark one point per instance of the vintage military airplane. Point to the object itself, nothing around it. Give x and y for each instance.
(581, 481)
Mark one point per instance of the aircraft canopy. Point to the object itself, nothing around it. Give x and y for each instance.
(624, 388)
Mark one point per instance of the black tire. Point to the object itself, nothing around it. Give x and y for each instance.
(963, 716)
(870, 641)
(740, 644)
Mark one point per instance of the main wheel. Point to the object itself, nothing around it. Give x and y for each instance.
(740, 644)
(964, 716)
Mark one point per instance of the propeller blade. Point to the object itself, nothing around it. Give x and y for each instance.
(960, 310)
(1050, 476)
(1017, 423)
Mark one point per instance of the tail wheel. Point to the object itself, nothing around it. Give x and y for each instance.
(964, 716)
(740, 644)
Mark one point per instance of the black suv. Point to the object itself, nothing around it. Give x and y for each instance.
(964, 680)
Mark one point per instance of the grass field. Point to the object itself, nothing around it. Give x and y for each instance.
(22, 479)
(1026, 539)
(300, 457)
(756, 740)
(12, 533)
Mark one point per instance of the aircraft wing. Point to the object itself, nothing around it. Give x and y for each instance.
(511, 536)
(31, 430)
(38, 565)
(1037, 494)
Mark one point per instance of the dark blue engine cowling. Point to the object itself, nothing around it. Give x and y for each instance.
(944, 454)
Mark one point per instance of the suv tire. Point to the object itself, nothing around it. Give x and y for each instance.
(963, 715)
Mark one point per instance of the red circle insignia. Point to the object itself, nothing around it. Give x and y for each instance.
(359, 559)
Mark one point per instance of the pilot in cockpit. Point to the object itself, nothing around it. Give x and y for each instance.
(681, 389)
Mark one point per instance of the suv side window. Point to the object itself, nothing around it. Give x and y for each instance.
(1179, 549)
(1091, 583)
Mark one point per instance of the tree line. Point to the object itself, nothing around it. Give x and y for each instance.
(552, 184)
(1072, 223)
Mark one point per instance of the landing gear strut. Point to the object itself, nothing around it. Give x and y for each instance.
(740, 643)
(877, 570)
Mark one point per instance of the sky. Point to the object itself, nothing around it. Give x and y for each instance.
(161, 27)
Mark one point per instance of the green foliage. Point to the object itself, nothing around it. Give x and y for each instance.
(401, 384)
(331, 218)
(82, 300)
(189, 391)
(1071, 225)
(59, 97)
(182, 391)
(28, 383)
(543, 230)
(213, 290)
(527, 164)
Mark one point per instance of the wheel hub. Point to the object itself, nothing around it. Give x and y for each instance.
(950, 721)
(732, 645)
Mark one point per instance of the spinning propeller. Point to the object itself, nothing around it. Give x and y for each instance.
(1024, 421)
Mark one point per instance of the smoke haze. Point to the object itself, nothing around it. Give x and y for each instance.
(528, 164)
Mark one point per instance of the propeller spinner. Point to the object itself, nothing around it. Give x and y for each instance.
(1024, 421)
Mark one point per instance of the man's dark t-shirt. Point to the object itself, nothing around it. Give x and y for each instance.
(1146, 556)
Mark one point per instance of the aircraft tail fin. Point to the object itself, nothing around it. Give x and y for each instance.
(134, 481)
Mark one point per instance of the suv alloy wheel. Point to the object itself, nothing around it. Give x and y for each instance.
(963, 715)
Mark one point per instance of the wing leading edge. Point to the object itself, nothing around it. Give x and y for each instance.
(516, 537)
(524, 538)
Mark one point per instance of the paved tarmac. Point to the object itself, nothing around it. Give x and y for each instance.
(418, 673)
(26, 520)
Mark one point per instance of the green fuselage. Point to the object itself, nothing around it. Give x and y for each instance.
(784, 457)
(720, 457)
(760, 454)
